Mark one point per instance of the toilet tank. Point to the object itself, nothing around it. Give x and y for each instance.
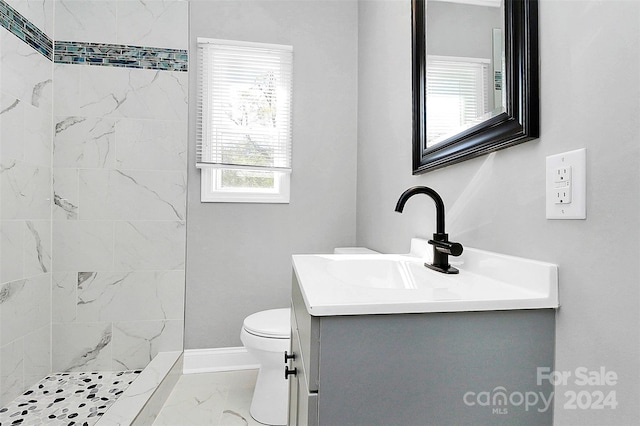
(354, 250)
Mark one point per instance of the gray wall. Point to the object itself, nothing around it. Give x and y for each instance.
(590, 93)
(239, 255)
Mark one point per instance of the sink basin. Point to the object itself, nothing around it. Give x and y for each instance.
(393, 274)
(357, 284)
(385, 273)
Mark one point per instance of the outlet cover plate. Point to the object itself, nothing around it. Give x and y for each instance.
(577, 208)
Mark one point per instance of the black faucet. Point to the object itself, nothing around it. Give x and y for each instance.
(442, 247)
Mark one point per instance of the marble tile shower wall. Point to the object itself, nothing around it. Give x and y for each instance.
(119, 184)
(92, 194)
(25, 205)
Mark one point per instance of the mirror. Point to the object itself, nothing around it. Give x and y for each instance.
(475, 78)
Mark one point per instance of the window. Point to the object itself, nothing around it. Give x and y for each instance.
(457, 95)
(244, 121)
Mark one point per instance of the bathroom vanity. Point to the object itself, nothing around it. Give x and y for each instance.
(381, 340)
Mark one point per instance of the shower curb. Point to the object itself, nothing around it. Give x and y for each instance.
(142, 400)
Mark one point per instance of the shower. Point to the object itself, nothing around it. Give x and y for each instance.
(93, 169)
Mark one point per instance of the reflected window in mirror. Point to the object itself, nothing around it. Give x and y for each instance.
(457, 95)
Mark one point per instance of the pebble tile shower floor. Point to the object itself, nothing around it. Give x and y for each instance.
(67, 399)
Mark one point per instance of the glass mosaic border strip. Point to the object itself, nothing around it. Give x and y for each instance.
(72, 52)
(22, 28)
(118, 55)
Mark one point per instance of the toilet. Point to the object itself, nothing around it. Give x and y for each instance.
(266, 336)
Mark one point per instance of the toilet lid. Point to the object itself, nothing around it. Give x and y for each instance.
(274, 323)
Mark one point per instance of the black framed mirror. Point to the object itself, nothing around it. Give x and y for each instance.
(512, 117)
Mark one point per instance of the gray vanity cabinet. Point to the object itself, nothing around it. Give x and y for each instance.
(420, 369)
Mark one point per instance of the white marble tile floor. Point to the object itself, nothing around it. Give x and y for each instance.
(212, 399)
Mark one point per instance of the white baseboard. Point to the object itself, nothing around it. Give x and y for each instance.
(218, 359)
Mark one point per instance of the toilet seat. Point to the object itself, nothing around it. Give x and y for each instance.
(272, 324)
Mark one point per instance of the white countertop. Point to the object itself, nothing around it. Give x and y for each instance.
(360, 284)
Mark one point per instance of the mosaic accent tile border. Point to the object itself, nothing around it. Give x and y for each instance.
(104, 54)
(22, 28)
(118, 55)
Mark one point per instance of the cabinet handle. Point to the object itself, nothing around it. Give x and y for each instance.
(288, 372)
(287, 357)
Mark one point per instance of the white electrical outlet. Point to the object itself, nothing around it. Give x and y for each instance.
(566, 187)
(563, 174)
(563, 194)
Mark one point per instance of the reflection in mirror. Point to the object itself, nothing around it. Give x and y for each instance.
(465, 61)
(475, 78)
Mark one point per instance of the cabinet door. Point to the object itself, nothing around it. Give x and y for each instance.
(303, 405)
(307, 405)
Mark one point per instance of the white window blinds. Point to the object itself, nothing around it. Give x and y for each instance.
(457, 95)
(244, 105)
